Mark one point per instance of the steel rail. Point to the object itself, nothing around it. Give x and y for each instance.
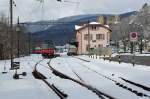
(102, 95)
(141, 94)
(51, 86)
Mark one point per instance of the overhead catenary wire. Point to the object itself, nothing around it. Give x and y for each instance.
(38, 9)
(76, 3)
(28, 15)
(21, 11)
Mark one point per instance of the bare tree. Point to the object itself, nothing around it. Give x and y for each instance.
(5, 39)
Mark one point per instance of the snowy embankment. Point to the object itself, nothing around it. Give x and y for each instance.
(137, 54)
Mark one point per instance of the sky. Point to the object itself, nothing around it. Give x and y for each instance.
(34, 10)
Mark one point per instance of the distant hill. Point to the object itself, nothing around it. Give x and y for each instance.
(61, 31)
(127, 14)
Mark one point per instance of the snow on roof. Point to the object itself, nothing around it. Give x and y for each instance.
(106, 26)
(131, 21)
(78, 27)
(94, 23)
(59, 47)
(116, 22)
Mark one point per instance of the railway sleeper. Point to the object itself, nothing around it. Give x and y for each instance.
(61, 75)
(136, 84)
(131, 90)
(122, 86)
(38, 75)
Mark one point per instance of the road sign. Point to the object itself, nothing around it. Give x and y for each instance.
(16, 65)
(133, 36)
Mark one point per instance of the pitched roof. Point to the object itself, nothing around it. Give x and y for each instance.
(77, 27)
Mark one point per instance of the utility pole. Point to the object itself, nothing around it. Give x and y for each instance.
(18, 37)
(11, 31)
(89, 37)
(29, 38)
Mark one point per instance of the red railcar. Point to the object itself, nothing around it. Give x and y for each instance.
(47, 53)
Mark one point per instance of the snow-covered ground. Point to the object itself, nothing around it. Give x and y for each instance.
(26, 87)
(138, 74)
(136, 54)
(100, 74)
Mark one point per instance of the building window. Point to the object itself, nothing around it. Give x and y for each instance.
(100, 37)
(86, 36)
(87, 47)
(94, 28)
(91, 36)
(100, 45)
(93, 40)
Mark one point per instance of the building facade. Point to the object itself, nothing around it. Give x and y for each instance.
(92, 36)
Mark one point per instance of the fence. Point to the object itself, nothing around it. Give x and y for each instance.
(101, 51)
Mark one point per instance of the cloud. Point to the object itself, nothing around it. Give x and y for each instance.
(112, 6)
(32, 10)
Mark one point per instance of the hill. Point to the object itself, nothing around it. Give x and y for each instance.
(61, 31)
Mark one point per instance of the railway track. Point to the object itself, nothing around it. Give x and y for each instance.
(136, 84)
(39, 75)
(120, 84)
(62, 95)
(76, 74)
(85, 84)
(101, 95)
